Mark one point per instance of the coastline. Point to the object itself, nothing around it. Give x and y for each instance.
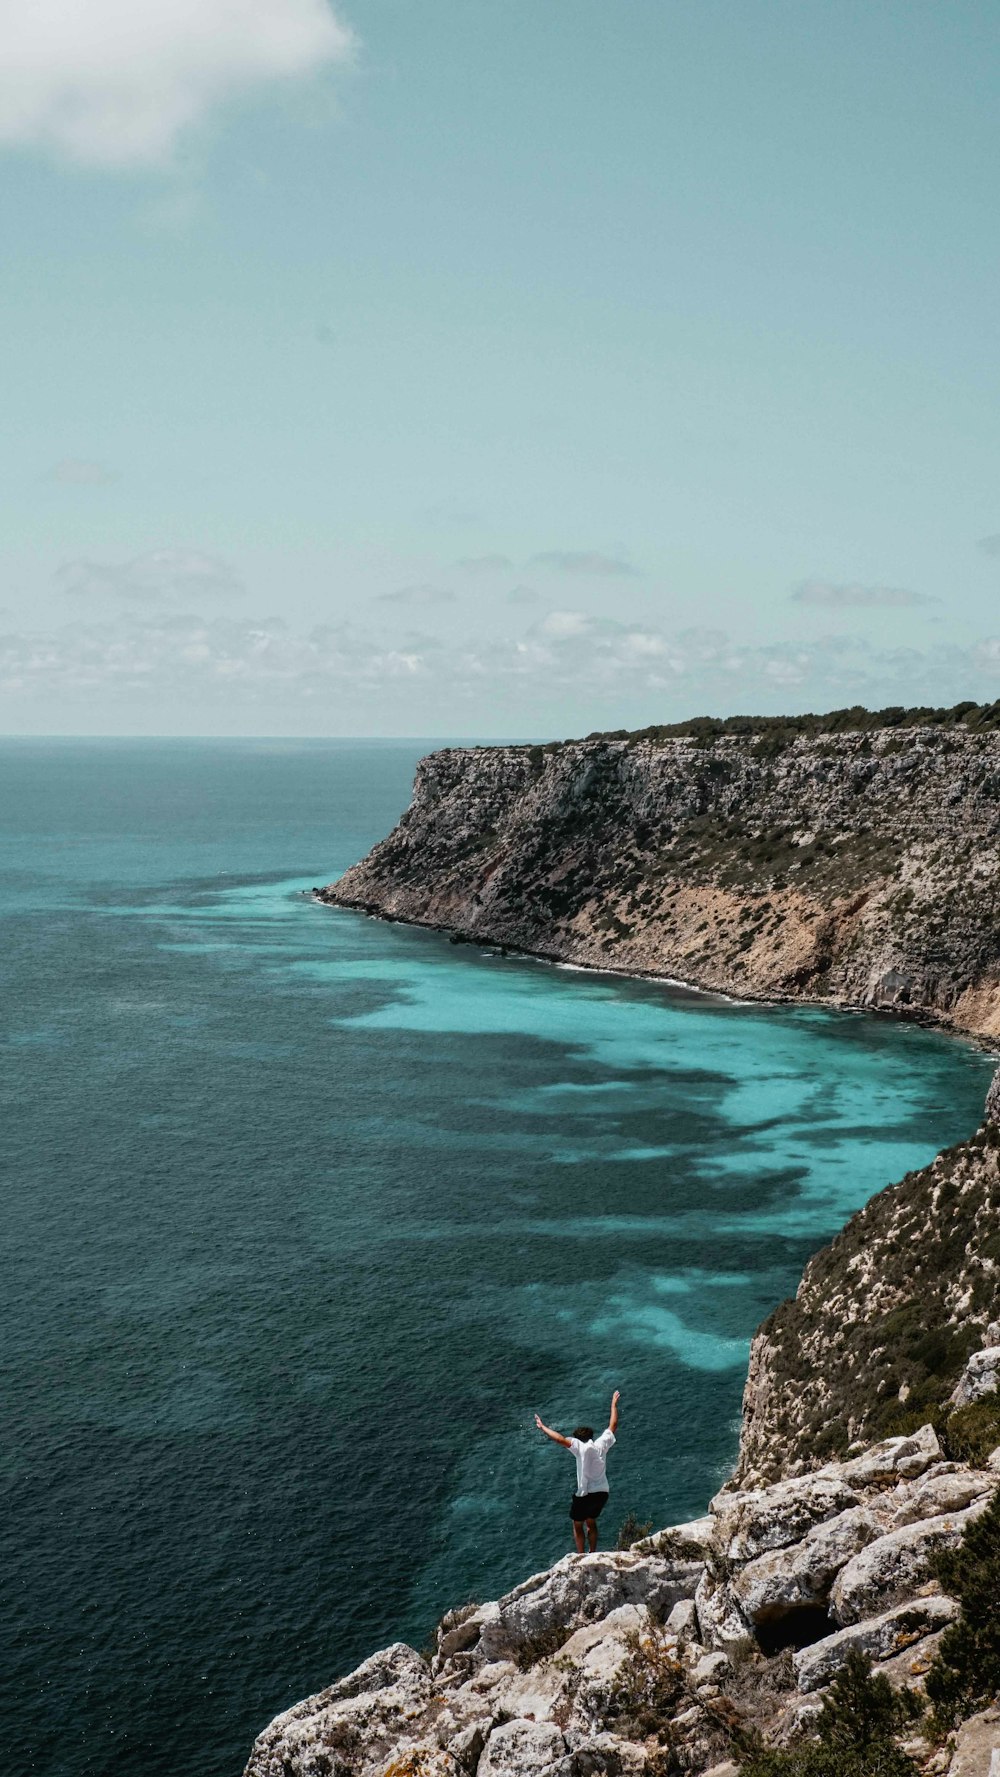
(922, 1016)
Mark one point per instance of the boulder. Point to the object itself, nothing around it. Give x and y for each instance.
(893, 1459)
(948, 1487)
(581, 1590)
(422, 1761)
(750, 1524)
(720, 1622)
(786, 1579)
(977, 1746)
(683, 1620)
(880, 1637)
(711, 1669)
(605, 1755)
(586, 1663)
(980, 1377)
(373, 1714)
(911, 1666)
(684, 1542)
(522, 1748)
(894, 1564)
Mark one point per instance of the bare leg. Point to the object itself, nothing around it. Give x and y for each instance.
(578, 1536)
(592, 1533)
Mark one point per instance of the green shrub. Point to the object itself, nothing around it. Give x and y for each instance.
(971, 1433)
(632, 1531)
(648, 1689)
(855, 1730)
(542, 1646)
(965, 1675)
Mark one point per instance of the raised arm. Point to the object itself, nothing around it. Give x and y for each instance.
(557, 1437)
(613, 1421)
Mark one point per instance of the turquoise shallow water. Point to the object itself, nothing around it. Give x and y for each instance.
(306, 1215)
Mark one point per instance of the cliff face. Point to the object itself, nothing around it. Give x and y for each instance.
(885, 1319)
(858, 869)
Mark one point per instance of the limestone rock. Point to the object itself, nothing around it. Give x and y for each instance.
(750, 1524)
(894, 1564)
(912, 1665)
(977, 1747)
(720, 1621)
(710, 1669)
(880, 1637)
(683, 1620)
(980, 1377)
(684, 1542)
(522, 1749)
(375, 1711)
(605, 1755)
(789, 1578)
(580, 1590)
(894, 1458)
(948, 1487)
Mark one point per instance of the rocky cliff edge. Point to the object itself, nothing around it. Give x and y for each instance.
(728, 1632)
(857, 868)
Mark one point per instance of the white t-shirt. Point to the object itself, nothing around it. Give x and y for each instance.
(590, 1461)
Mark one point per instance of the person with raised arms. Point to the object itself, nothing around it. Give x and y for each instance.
(591, 1455)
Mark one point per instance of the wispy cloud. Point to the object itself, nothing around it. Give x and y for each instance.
(79, 472)
(569, 658)
(522, 595)
(585, 561)
(417, 595)
(163, 576)
(484, 564)
(831, 597)
(990, 545)
(118, 83)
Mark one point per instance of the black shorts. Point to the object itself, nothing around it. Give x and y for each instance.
(587, 1505)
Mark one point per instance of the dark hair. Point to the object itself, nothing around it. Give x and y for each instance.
(584, 1433)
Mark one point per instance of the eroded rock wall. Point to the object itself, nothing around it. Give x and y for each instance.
(898, 1318)
(859, 869)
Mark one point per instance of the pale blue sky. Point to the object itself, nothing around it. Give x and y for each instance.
(495, 368)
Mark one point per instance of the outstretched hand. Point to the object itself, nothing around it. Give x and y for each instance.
(615, 1398)
(539, 1423)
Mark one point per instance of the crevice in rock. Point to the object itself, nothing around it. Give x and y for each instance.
(795, 1629)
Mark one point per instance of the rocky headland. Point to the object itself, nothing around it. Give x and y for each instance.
(836, 1611)
(816, 1596)
(852, 859)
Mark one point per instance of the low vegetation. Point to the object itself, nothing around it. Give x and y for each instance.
(631, 1531)
(648, 1690)
(783, 730)
(965, 1675)
(855, 1732)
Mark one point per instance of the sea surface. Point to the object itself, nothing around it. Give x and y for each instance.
(305, 1216)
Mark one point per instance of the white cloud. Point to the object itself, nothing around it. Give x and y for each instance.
(261, 671)
(162, 576)
(824, 593)
(566, 626)
(117, 83)
(584, 561)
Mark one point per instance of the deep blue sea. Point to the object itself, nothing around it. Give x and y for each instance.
(305, 1216)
